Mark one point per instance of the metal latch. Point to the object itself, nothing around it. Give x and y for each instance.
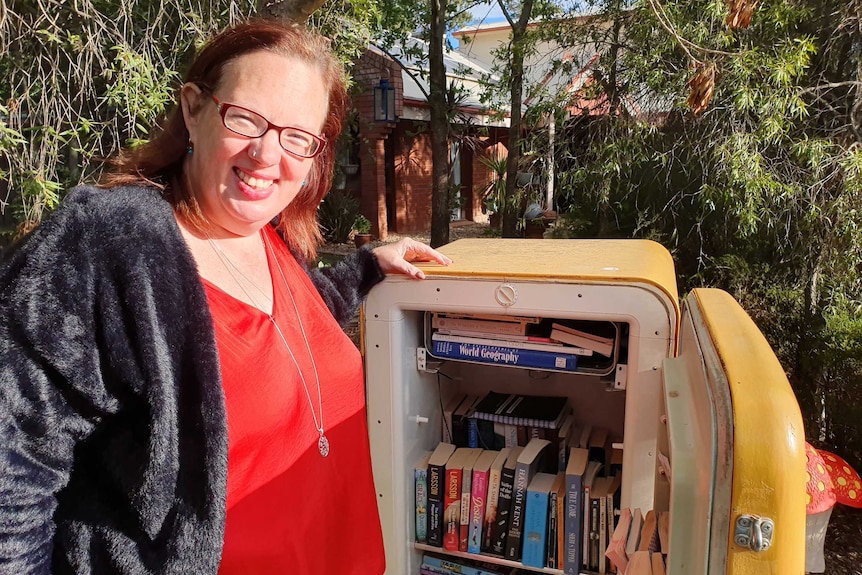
(754, 532)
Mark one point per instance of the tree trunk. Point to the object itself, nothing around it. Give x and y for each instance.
(439, 128)
(512, 207)
(291, 10)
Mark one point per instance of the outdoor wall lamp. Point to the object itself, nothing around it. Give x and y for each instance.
(384, 102)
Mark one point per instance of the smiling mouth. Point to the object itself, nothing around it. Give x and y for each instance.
(255, 183)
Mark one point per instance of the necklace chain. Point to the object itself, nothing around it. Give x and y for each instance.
(233, 270)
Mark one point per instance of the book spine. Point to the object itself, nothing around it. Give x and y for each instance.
(529, 345)
(435, 504)
(551, 559)
(535, 525)
(490, 508)
(452, 509)
(500, 355)
(477, 511)
(603, 533)
(500, 528)
(472, 432)
(561, 529)
(466, 496)
(573, 525)
(516, 513)
(586, 533)
(594, 533)
(421, 479)
(479, 325)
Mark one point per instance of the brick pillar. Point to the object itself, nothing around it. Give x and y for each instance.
(373, 168)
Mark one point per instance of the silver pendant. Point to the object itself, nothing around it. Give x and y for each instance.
(323, 445)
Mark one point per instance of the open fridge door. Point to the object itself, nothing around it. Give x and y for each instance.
(735, 448)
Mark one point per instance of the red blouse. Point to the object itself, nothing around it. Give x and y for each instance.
(290, 510)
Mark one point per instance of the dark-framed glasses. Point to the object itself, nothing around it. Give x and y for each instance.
(250, 124)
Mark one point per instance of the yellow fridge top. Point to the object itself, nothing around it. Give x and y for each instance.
(593, 260)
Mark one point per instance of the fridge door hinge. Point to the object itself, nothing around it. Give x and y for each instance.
(754, 532)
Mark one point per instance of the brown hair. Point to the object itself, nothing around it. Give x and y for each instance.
(160, 161)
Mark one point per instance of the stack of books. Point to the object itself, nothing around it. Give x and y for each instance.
(529, 342)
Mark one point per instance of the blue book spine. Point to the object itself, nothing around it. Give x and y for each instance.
(573, 524)
(421, 505)
(473, 433)
(501, 355)
(534, 551)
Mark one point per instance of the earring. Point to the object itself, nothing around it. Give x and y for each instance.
(190, 149)
(303, 183)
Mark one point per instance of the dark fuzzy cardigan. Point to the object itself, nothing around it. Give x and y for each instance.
(113, 438)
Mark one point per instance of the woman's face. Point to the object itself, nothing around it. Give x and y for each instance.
(242, 183)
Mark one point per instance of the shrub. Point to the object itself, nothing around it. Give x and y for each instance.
(337, 215)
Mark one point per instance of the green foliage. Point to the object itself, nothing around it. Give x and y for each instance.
(337, 213)
(759, 195)
(362, 225)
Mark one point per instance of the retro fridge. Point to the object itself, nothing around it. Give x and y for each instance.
(709, 429)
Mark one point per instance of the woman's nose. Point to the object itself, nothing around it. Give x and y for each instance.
(266, 149)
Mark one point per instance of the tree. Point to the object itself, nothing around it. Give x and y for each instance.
(80, 80)
(738, 148)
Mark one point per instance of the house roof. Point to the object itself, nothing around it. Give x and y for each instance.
(461, 70)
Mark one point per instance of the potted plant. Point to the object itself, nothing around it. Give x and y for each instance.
(362, 227)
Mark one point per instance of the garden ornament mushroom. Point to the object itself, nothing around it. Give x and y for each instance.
(819, 504)
(830, 480)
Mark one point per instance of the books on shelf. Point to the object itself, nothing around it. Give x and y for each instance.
(436, 477)
(527, 410)
(527, 466)
(550, 346)
(482, 324)
(463, 457)
(600, 344)
(420, 484)
(504, 355)
(456, 566)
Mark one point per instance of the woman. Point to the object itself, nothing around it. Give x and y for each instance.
(175, 396)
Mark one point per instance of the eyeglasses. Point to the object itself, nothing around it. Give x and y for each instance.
(250, 124)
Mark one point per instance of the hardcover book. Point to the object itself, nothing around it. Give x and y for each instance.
(478, 496)
(527, 466)
(535, 537)
(420, 477)
(573, 550)
(448, 410)
(502, 355)
(461, 422)
(500, 527)
(436, 477)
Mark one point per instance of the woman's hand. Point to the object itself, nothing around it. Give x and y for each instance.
(395, 258)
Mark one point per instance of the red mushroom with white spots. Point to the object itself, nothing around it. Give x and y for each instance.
(846, 482)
